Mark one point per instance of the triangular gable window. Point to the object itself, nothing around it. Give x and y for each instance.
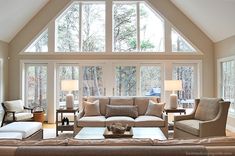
(40, 44)
(179, 44)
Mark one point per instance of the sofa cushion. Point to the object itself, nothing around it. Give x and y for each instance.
(149, 121)
(92, 121)
(121, 101)
(92, 108)
(20, 116)
(155, 109)
(14, 106)
(142, 103)
(112, 110)
(190, 126)
(124, 120)
(103, 102)
(207, 109)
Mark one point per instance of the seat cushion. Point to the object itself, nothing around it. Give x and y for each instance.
(142, 103)
(155, 109)
(92, 121)
(103, 102)
(190, 126)
(14, 106)
(149, 121)
(121, 100)
(124, 120)
(26, 128)
(20, 116)
(207, 109)
(130, 111)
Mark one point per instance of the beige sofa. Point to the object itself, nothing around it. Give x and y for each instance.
(119, 147)
(141, 121)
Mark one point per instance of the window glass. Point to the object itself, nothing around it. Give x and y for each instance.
(67, 72)
(228, 83)
(150, 79)
(186, 73)
(151, 30)
(125, 81)
(36, 86)
(40, 44)
(124, 27)
(92, 81)
(179, 44)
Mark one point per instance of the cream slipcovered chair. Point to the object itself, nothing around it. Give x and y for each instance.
(15, 111)
(208, 118)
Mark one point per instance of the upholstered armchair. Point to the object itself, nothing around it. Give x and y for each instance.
(208, 119)
(16, 111)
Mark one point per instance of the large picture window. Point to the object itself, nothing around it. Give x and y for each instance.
(81, 28)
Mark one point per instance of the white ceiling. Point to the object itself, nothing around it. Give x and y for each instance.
(14, 14)
(216, 18)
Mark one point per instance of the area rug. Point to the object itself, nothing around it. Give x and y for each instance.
(49, 133)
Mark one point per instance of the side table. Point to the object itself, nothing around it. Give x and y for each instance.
(177, 110)
(59, 126)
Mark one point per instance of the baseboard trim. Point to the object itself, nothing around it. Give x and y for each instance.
(230, 128)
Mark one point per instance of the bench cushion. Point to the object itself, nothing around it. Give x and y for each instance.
(11, 135)
(26, 128)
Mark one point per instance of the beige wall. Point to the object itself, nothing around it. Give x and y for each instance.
(223, 49)
(4, 76)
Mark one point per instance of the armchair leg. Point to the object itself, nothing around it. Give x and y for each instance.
(3, 119)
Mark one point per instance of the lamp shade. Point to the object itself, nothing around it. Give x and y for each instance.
(172, 85)
(69, 85)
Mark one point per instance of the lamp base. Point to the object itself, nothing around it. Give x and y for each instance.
(69, 101)
(173, 101)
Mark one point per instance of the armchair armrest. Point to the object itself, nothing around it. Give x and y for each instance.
(27, 108)
(217, 126)
(13, 114)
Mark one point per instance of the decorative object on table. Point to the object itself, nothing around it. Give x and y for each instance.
(69, 85)
(117, 130)
(38, 114)
(173, 85)
(65, 120)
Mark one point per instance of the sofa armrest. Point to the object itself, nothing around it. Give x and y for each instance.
(217, 126)
(78, 116)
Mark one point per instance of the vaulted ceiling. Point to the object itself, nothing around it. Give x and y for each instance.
(214, 17)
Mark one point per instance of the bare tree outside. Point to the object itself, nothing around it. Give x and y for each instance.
(40, 44)
(125, 81)
(36, 86)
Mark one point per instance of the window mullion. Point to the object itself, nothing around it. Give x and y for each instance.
(138, 26)
(80, 27)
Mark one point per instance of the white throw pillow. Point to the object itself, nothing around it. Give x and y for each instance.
(92, 108)
(14, 106)
(155, 109)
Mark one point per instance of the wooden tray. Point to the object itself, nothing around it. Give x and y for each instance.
(109, 134)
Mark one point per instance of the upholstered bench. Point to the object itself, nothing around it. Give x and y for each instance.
(22, 130)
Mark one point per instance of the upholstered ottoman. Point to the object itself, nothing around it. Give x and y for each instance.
(28, 130)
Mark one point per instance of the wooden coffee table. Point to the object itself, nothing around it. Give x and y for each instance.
(138, 132)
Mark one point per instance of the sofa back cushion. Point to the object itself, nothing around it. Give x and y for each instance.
(121, 110)
(14, 105)
(103, 102)
(142, 103)
(207, 109)
(92, 108)
(122, 101)
(155, 109)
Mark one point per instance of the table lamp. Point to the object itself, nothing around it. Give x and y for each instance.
(173, 85)
(69, 85)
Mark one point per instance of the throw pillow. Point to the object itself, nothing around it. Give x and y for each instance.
(155, 109)
(207, 109)
(131, 111)
(14, 106)
(92, 108)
